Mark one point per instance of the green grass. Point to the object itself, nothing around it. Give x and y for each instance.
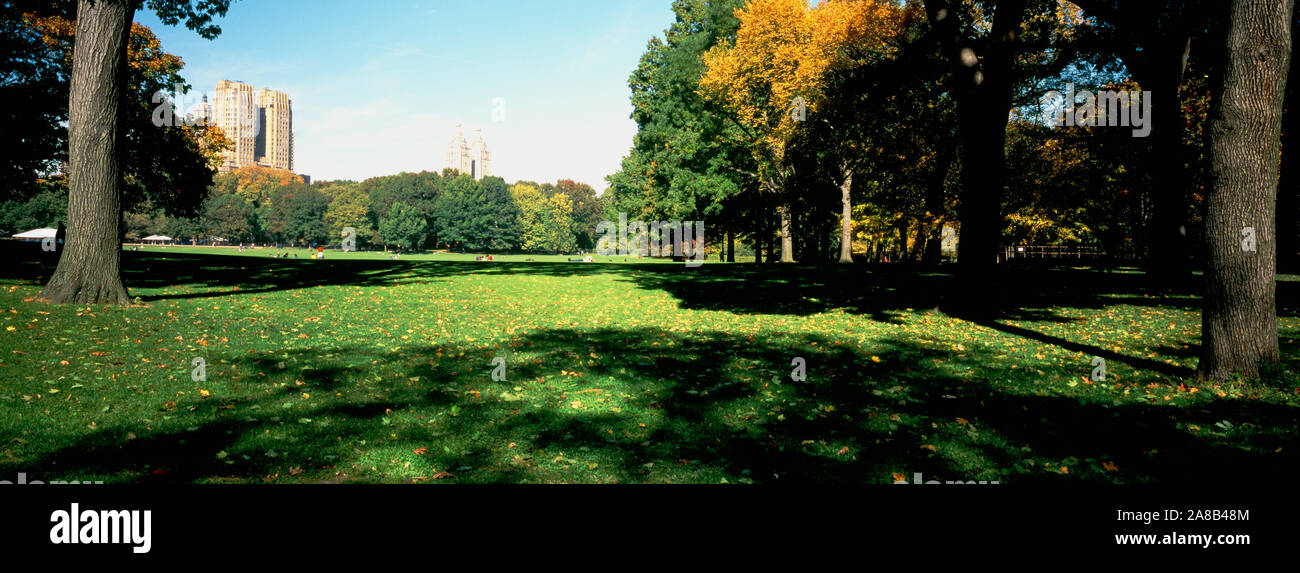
(440, 256)
(363, 369)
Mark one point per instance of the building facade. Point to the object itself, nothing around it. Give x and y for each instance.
(201, 114)
(474, 161)
(260, 126)
(275, 138)
(233, 111)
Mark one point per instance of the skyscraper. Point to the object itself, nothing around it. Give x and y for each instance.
(275, 138)
(475, 162)
(234, 112)
(260, 128)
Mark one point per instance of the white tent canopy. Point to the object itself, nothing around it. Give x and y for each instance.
(42, 233)
(157, 238)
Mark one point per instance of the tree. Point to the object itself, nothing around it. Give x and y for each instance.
(1155, 39)
(775, 75)
(404, 227)
(587, 211)
(545, 223)
(44, 209)
(298, 215)
(859, 83)
(349, 208)
(34, 96)
(478, 215)
(983, 84)
(228, 216)
(1239, 320)
(419, 191)
(89, 270)
(689, 160)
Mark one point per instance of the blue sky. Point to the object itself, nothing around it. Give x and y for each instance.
(378, 86)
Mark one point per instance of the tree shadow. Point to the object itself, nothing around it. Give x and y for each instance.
(652, 405)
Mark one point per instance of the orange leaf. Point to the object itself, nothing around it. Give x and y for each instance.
(843, 450)
(1110, 466)
(421, 450)
(930, 447)
(442, 474)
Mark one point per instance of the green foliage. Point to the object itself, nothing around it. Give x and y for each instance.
(687, 157)
(404, 227)
(230, 217)
(297, 215)
(546, 223)
(477, 215)
(349, 208)
(44, 209)
(587, 210)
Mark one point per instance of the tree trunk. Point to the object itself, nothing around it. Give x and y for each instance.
(1239, 320)
(787, 239)
(983, 84)
(731, 246)
(846, 217)
(90, 270)
(984, 96)
(771, 238)
(1168, 259)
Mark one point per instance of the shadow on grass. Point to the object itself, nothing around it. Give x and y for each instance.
(652, 406)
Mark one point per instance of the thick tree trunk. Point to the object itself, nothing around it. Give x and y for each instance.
(983, 86)
(731, 246)
(90, 269)
(983, 83)
(846, 217)
(1239, 321)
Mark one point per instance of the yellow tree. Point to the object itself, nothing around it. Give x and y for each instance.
(774, 76)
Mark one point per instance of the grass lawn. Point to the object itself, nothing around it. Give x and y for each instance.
(360, 368)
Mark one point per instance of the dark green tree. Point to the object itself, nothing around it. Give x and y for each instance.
(404, 227)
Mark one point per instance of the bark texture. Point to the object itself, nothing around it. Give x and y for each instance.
(1239, 320)
(90, 268)
(846, 217)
